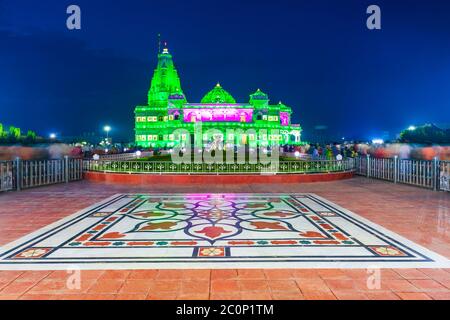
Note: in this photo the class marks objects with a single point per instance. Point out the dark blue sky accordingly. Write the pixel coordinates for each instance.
(316, 56)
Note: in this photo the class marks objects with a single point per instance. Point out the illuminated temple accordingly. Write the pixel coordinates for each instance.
(168, 110)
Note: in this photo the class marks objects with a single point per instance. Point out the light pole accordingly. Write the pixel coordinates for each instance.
(107, 129)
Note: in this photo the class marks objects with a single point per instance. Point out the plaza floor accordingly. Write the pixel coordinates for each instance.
(418, 215)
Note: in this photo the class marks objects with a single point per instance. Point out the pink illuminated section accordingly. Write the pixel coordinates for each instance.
(284, 118)
(218, 115)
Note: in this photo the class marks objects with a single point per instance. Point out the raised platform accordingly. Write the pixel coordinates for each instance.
(141, 179)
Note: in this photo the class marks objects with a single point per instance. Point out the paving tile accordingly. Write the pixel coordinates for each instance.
(142, 274)
(251, 295)
(171, 295)
(136, 287)
(17, 287)
(33, 276)
(9, 296)
(195, 287)
(413, 296)
(251, 274)
(285, 286)
(381, 295)
(349, 295)
(287, 296)
(193, 296)
(165, 286)
(400, 286)
(312, 285)
(253, 285)
(226, 296)
(196, 274)
(338, 284)
(224, 274)
(114, 275)
(439, 295)
(319, 295)
(332, 274)
(278, 274)
(224, 286)
(106, 287)
(304, 273)
(169, 274)
(436, 274)
(125, 296)
(428, 285)
(411, 274)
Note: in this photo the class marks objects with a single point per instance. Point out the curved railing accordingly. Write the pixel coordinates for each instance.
(283, 167)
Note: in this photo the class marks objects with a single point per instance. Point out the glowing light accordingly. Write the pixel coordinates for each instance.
(412, 128)
(107, 128)
(53, 136)
(377, 141)
(297, 154)
(138, 154)
(96, 157)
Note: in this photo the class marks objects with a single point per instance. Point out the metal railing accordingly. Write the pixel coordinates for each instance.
(6, 175)
(124, 156)
(283, 167)
(19, 174)
(431, 174)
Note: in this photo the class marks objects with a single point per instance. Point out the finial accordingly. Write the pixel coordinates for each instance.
(159, 43)
(218, 85)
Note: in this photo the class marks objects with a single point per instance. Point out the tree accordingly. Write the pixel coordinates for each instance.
(14, 132)
(426, 134)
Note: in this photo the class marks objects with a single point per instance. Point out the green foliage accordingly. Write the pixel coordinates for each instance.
(13, 136)
(426, 134)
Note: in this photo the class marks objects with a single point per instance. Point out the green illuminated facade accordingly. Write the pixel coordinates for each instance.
(157, 123)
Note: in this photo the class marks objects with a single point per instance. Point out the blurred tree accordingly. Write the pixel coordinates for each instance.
(426, 134)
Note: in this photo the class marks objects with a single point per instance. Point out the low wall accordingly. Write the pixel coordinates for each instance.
(140, 179)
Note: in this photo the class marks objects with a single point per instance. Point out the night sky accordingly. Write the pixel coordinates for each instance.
(316, 56)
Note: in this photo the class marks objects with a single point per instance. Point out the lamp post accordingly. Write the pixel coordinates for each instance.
(107, 129)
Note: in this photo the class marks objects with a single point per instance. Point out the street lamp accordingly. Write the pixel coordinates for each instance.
(107, 129)
(53, 136)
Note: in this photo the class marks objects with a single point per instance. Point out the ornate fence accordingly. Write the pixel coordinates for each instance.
(284, 167)
(124, 156)
(432, 174)
(19, 174)
(6, 175)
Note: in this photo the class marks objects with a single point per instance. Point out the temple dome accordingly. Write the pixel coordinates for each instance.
(218, 95)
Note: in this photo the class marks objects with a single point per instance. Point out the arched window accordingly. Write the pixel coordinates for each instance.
(177, 117)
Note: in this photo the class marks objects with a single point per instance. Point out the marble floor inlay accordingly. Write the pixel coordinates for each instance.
(215, 231)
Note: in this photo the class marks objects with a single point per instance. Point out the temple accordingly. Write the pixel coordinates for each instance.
(168, 110)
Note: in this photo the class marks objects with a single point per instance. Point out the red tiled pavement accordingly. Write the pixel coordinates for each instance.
(419, 215)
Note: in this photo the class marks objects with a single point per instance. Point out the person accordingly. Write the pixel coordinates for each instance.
(315, 153)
